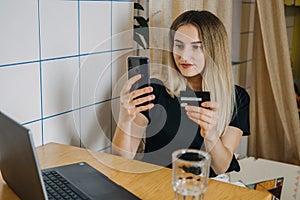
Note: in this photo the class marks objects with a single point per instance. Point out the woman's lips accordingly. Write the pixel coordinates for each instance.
(186, 65)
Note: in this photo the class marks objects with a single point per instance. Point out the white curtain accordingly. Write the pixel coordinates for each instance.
(275, 131)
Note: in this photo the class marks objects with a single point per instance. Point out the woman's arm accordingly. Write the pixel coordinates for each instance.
(222, 148)
(131, 125)
(128, 136)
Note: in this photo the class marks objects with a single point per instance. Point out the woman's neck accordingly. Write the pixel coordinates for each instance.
(195, 82)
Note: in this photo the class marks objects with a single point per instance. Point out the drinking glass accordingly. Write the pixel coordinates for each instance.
(190, 172)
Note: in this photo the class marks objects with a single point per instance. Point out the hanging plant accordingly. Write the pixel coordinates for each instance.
(141, 28)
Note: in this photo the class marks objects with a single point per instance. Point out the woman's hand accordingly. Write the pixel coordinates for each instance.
(132, 124)
(206, 117)
(130, 101)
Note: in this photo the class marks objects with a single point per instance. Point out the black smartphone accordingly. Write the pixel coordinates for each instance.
(139, 65)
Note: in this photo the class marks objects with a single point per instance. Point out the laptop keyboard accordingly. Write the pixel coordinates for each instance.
(58, 188)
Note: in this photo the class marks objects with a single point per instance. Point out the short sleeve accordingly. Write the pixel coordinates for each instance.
(240, 118)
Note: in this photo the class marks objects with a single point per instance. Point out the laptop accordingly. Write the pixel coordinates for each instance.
(20, 169)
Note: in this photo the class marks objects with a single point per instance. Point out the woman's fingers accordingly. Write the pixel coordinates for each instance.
(139, 92)
(128, 84)
(210, 104)
(136, 101)
(200, 111)
(206, 117)
(202, 117)
(141, 100)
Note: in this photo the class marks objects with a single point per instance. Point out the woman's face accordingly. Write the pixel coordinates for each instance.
(187, 51)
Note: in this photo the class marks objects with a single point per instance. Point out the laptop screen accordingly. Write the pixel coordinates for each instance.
(18, 160)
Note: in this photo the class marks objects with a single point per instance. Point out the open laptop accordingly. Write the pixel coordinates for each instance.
(20, 169)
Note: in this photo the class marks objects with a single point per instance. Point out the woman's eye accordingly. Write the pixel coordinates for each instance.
(196, 47)
(179, 46)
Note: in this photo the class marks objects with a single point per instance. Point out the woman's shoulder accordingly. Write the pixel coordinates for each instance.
(156, 81)
(157, 84)
(241, 94)
(160, 90)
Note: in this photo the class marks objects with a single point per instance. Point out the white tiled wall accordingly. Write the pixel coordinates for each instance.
(95, 26)
(19, 31)
(58, 78)
(59, 28)
(59, 61)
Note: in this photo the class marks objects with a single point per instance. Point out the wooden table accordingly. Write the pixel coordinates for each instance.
(145, 180)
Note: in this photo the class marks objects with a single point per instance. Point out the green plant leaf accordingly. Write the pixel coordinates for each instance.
(138, 39)
(141, 30)
(144, 32)
(138, 6)
(141, 20)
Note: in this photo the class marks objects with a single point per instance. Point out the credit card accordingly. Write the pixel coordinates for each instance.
(193, 98)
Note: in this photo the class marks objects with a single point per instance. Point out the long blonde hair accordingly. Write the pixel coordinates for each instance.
(217, 76)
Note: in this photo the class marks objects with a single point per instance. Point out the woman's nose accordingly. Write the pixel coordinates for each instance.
(185, 54)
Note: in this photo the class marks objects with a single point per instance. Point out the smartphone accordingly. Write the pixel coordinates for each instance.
(139, 65)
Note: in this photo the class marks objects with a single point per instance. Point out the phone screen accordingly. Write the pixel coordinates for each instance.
(139, 65)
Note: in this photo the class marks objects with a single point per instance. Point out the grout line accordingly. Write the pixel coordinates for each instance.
(31, 122)
(20, 63)
(69, 111)
(63, 57)
(247, 32)
(248, 2)
(101, 0)
(240, 62)
(41, 72)
(40, 61)
(79, 73)
(111, 60)
(290, 26)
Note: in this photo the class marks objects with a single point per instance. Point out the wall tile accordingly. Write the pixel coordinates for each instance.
(246, 47)
(290, 13)
(119, 70)
(20, 92)
(63, 129)
(252, 16)
(115, 109)
(59, 28)
(95, 78)
(60, 93)
(122, 25)
(248, 74)
(247, 21)
(242, 73)
(96, 126)
(95, 23)
(290, 32)
(36, 131)
(235, 73)
(19, 31)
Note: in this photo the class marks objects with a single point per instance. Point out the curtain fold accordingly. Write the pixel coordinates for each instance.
(275, 132)
(296, 47)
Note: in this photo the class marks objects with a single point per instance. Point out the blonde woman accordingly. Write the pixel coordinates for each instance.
(200, 54)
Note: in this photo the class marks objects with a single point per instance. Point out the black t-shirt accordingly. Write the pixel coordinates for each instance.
(170, 129)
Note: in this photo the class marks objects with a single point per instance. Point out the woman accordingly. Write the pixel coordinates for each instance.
(200, 53)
